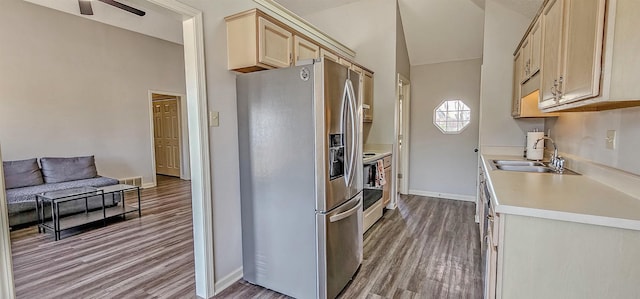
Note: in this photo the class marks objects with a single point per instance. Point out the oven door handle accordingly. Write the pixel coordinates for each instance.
(347, 213)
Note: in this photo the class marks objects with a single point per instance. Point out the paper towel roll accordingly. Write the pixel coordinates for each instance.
(538, 153)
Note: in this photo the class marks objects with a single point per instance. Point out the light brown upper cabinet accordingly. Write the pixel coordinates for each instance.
(304, 49)
(535, 38)
(525, 95)
(551, 52)
(328, 55)
(257, 43)
(367, 96)
(531, 48)
(526, 79)
(274, 44)
(573, 36)
(345, 62)
(517, 75)
(588, 55)
(582, 50)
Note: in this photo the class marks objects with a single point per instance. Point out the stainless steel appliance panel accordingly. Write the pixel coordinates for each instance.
(276, 136)
(341, 253)
(341, 136)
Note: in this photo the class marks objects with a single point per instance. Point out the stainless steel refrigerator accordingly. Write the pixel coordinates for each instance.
(301, 178)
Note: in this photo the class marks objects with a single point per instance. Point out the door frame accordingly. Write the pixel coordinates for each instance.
(7, 289)
(184, 128)
(202, 211)
(404, 84)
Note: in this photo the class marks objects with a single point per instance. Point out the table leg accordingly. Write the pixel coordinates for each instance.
(104, 212)
(38, 214)
(139, 206)
(124, 206)
(55, 217)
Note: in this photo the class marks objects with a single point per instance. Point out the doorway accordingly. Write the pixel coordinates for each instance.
(202, 212)
(402, 135)
(170, 144)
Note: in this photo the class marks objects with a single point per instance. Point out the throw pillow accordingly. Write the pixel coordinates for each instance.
(22, 173)
(56, 170)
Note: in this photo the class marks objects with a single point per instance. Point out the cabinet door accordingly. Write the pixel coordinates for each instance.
(551, 52)
(328, 55)
(584, 23)
(304, 49)
(367, 99)
(536, 47)
(274, 44)
(386, 189)
(517, 87)
(492, 256)
(525, 50)
(345, 62)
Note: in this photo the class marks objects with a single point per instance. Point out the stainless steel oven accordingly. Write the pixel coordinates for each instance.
(372, 197)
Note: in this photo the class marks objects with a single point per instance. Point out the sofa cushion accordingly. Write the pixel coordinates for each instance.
(22, 173)
(56, 170)
(23, 199)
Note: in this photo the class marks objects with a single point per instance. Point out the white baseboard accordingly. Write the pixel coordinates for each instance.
(461, 197)
(228, 280)
(148, 185)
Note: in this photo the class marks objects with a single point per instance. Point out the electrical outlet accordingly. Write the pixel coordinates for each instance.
(611, 139)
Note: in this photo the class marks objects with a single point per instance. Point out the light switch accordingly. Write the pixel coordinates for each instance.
(214, 118)
(611, 139)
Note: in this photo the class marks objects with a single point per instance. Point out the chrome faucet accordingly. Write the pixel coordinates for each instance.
(556, 161)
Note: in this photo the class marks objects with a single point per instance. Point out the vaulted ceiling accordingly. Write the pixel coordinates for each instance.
(158, 22)
(435, 30)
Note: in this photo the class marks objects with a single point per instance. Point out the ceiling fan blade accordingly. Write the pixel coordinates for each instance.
(85, 7)
(124, 7)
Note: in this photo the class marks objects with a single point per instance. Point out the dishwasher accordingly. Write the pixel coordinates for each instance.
(372, 202)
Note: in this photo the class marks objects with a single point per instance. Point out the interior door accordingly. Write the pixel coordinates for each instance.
(166, 132)
(402, 161)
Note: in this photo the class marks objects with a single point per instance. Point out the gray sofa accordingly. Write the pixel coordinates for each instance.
(24, 179)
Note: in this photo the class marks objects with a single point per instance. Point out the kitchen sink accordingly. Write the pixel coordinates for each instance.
(517, 163)
(541, 169)
(527, 166)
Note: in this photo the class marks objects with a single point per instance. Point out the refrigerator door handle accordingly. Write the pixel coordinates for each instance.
(347, 213)
(354, 134)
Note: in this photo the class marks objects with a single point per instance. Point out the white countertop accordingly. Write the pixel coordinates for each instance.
(574, 198)
(378, 155)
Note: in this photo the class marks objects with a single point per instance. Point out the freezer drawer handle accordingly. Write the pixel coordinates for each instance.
(347, 213)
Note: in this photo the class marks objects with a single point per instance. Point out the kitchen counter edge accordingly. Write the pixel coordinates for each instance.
(606, 218)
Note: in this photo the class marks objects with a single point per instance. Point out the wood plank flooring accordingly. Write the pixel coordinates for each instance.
(427, 248)
(148, 257)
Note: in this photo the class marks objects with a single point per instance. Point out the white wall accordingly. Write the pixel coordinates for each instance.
(221, 94)
(71, 86)
(403, 66)
(583, 134)
(443, 163)
(369, 28)
(503, 30)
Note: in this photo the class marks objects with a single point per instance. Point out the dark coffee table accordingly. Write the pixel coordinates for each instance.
(58, 223)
